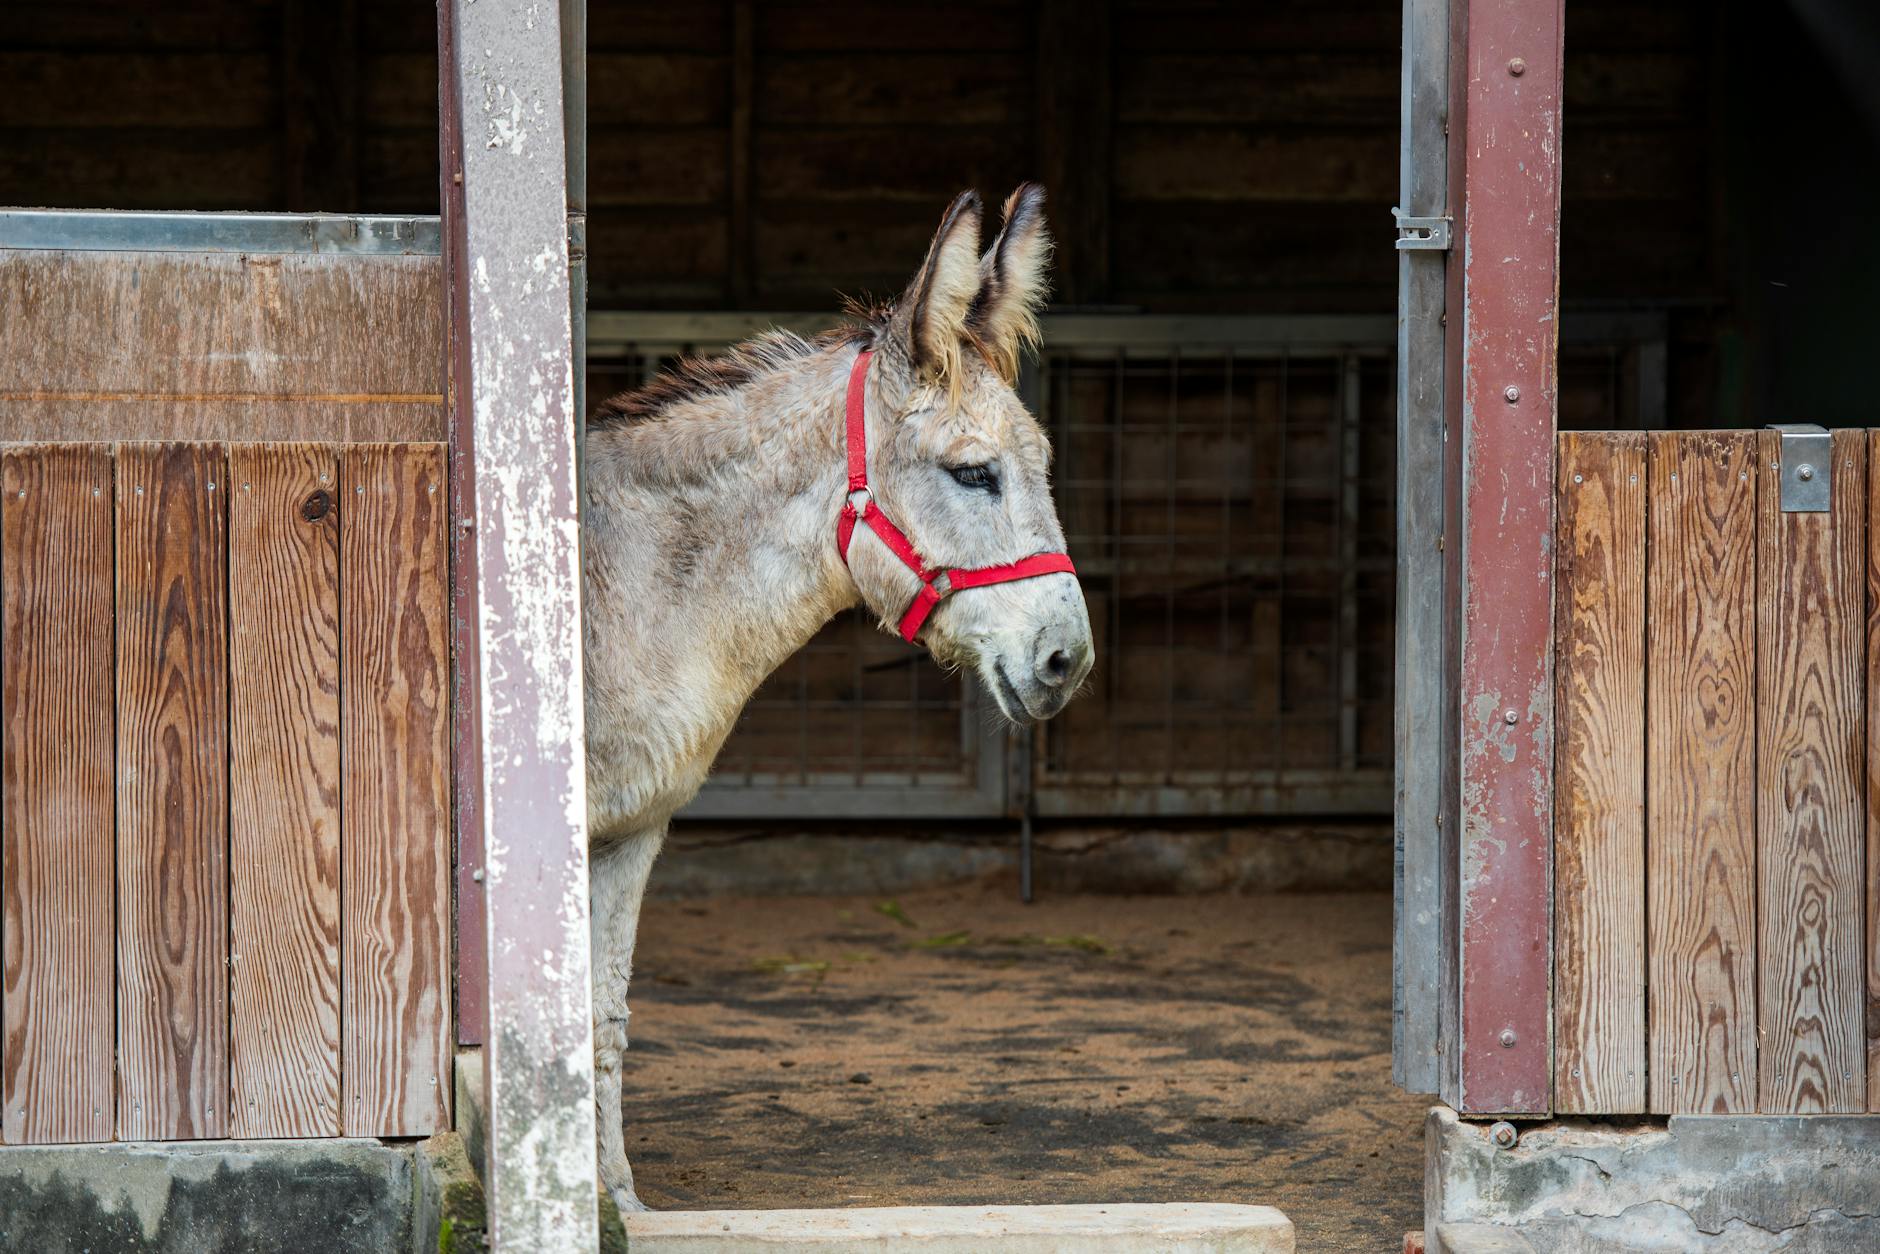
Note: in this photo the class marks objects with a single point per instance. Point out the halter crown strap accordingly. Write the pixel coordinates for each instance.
(869, 514)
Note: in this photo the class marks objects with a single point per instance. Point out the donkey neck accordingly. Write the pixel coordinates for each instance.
(716, 522)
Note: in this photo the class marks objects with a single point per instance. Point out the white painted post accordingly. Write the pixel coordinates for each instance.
(517, 411)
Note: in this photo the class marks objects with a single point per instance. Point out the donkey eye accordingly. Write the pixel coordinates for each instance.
(981, 478)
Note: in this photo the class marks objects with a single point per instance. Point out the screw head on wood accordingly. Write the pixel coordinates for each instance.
(1517, 67)
(1507, 1038)
(1510, 717)
(1511, 394)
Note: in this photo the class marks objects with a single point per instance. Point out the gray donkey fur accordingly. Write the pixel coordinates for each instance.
(710, 551)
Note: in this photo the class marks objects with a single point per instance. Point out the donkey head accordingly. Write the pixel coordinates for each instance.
(961, 465)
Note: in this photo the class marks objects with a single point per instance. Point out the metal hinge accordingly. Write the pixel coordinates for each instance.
(1418, 234)
(1807, 467)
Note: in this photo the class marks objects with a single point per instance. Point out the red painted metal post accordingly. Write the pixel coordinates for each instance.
(473, 975)
(1505, 135)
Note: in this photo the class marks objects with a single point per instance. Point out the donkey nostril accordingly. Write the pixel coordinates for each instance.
(1058, 666)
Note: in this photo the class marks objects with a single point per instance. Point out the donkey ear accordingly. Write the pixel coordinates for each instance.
(934, 308)
(1012, 282)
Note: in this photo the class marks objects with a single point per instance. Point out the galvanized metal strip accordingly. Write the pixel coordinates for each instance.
(1510, 216)
(1804, 467)
(111, 230)
(538, 1052)
(1417, 954)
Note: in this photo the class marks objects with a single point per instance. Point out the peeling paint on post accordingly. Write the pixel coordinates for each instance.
(512, 243)
(1507, 139)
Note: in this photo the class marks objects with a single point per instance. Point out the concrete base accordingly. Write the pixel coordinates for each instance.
(1174, 1228)
(1741, 1184)
(332, 1196)
(702, 860)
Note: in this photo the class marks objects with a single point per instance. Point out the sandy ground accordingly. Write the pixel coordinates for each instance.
(959, 1048)
(955, 1046)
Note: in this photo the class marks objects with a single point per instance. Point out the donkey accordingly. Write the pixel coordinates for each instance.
(731, 513)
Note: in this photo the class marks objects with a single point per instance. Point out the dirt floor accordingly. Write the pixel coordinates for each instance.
(955, 1046)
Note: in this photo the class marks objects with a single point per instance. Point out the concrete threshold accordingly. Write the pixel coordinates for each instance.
(1165, 1228)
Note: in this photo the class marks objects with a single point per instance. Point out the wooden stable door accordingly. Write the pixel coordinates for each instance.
(1714, 776)
(223, 791)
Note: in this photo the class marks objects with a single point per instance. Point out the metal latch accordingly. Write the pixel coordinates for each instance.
(1807, 467)
(1418, 234)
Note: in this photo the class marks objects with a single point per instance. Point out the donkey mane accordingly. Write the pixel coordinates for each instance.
(696, 377)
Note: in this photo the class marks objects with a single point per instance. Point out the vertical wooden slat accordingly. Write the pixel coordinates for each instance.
(1599, 776)
(1873, 773)
(395, 675)
(56, 768)
(1700, 768)
(172, 727)
(284, 787)
(1811, 990)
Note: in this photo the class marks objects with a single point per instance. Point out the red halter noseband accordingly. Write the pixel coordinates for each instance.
(948, 581)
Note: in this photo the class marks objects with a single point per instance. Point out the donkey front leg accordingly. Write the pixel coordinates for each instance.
(619, 872)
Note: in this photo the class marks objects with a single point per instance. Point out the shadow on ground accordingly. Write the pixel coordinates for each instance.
(957, 1047)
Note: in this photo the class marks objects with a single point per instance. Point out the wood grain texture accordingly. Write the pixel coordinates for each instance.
(56, 810)
(196, 346)
(1599, 775)
(1873, 774)
(1700, 764)
(172, 853)
(396, 862)
(284, 791)
(1810, 843)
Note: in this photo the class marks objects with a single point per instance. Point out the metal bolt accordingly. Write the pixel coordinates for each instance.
(1576, 479)
(1510, 717)
(1674, 1081)
(1511, 394)
(1804, 472)
(1504, 1135)
(1674, 476)
(1517, 67)
(212, 486)
(1576, 1073)
(1507, 1038)
(477, 875)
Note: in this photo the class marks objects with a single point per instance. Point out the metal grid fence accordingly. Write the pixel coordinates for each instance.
(1226, 487)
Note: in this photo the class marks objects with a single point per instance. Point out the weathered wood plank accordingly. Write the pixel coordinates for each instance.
(1811, 988)
(1873, 774)
(395, 714)
(1700, 764)
(56, 811)
(1599, 776)
(172, 852)
(284, 788)
(220, 346)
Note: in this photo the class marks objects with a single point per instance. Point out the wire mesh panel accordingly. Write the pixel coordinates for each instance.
(1226, 485)
(1229, 506)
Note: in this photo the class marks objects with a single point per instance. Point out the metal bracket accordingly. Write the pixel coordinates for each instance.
(1421, 234)
(1807, 467)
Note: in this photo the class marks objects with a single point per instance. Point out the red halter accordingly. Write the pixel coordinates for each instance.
(935, 585)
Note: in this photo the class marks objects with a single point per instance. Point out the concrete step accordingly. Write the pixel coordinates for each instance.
(1164, 1228)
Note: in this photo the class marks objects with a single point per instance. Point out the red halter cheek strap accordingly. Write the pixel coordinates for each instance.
(935, 585)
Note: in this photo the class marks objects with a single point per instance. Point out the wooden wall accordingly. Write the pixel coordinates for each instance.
(1717, 779)
(1203, 155)
(223, 791)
